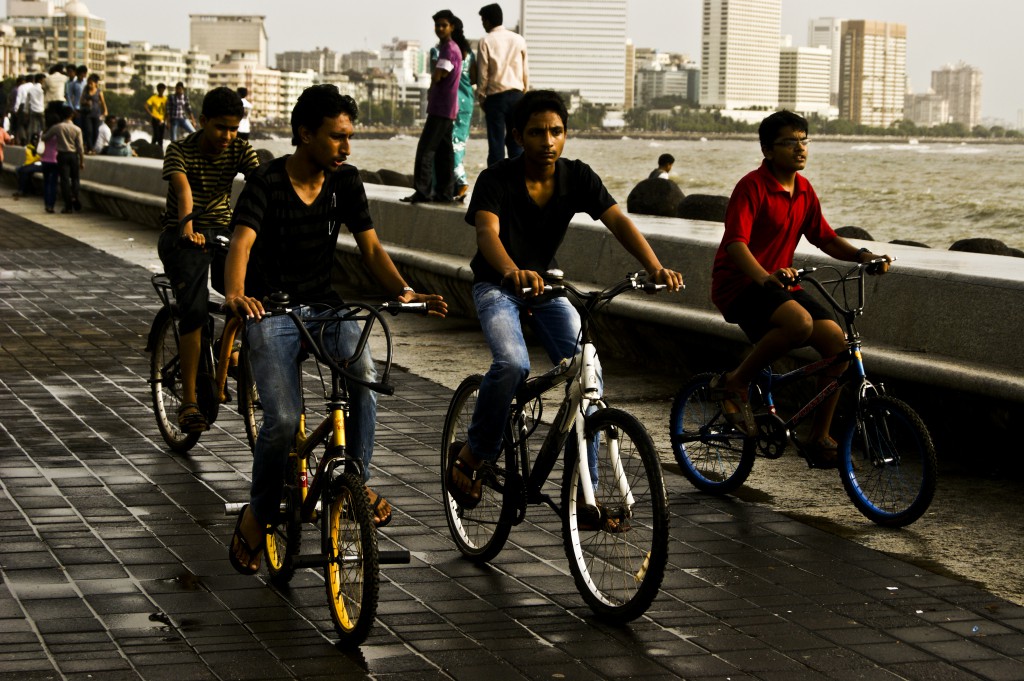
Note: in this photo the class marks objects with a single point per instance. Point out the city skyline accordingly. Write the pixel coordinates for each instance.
(984, 38)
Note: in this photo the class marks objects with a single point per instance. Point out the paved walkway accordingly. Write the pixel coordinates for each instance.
(113, 550)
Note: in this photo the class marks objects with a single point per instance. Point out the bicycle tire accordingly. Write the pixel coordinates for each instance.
(165, 385)
(618, 567)
(284, 541)
(887, 462)
(479, 533)
(352, 568)
(713, 455)
(249, 405)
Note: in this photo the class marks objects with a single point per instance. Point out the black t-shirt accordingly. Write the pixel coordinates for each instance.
(294, 247)
(530, 234)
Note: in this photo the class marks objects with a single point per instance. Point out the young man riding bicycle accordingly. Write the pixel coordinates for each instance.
(521, 209)
(286, 226)
(770, 209)
(200, 170)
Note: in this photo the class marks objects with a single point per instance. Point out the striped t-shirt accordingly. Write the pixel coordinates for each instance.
(294, 247)
(209, 177)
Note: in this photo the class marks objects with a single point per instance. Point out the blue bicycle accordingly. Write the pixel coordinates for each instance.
(886, 457)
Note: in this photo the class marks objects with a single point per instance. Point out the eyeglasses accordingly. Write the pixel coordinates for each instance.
(793, 142)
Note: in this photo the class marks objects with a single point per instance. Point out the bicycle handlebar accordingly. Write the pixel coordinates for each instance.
(636, 281)
(856, 273)
(278, 304)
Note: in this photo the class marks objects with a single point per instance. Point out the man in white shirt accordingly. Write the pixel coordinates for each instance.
(502, 78)
(34, 106)
(103, 134)
(244, 125)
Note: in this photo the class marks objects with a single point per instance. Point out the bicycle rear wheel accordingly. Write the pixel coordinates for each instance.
(352, 570)
(249, 405)
(165, 384)
(887, 462)
(480, 533)
(710, 451)
(285, 539)
(617, 555)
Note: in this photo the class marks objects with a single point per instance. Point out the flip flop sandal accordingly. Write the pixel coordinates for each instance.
(252, 554)
(191, 419)
(741, 415)
(377, 521)
(467, 500)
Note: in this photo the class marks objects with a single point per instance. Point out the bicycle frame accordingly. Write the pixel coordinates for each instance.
(854, 374)
(583, 391)
(218, 364)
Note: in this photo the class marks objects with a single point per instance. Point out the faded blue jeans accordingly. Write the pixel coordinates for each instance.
(275, 354)
(555, 322)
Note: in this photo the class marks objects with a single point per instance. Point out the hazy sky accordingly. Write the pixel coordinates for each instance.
(983, 33)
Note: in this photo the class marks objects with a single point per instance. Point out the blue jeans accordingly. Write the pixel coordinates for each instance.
(498, 113)
(180, 124)
(556, 323)
(275, 354)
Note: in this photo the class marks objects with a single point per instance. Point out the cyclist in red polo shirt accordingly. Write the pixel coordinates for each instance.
(770, 209)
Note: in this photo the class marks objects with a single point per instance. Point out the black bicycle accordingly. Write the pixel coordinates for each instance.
(887, 460)
(613, 507)
(324, 479)
(222, 356)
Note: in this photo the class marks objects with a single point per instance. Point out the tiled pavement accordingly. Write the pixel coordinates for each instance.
(113, 558)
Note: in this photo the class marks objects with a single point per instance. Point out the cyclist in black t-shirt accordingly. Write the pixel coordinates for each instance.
(286, 225)
(521, 209)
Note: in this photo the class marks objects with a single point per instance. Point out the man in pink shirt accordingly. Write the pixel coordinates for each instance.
(502, 78)
(770, 209)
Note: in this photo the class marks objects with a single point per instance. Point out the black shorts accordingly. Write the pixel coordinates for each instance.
(754, 306)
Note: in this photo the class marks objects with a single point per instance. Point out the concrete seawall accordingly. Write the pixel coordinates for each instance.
(940, 319)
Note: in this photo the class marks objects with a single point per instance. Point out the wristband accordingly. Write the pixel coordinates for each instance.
(861, 252)
(406, 289)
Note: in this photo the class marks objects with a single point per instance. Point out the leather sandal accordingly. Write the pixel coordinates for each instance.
(467, 500)
(191, 419)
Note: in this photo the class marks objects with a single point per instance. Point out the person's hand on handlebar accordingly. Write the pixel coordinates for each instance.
(864, 255)
(435, 302)
(245, 307)
(784, 277)
(669, 278)
(520, 280)
(191, 237)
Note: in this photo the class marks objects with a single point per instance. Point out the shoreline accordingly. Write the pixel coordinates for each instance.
(280, 132)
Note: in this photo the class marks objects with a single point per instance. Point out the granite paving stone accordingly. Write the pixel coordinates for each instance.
(114, 549)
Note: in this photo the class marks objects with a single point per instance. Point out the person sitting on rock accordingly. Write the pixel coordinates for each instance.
(664, 169)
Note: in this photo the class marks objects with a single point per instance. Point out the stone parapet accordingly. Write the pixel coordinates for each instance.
(940, 318)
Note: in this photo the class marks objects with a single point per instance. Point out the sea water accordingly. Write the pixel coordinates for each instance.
(930, 192)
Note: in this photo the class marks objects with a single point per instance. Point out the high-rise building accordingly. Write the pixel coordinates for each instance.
(873, 79)
(218, 35)
(320, 60)
(828, 32)
(740, 54)
(66, 34)
(577, 45)
(629, 95)
(804, 79)
(961, 86)
(154, 64)
(926, 110)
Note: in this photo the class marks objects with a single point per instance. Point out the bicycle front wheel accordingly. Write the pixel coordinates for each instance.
(481, 532)
(165, 384)
(249, 405)
(618, 551)
(352, 570)
(710, 451)
(887, 462)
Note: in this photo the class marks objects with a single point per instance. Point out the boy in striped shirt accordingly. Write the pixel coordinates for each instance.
(200, 170)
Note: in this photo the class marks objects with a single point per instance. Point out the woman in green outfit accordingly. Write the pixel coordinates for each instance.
(460, 132)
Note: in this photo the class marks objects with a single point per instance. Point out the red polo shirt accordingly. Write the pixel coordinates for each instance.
(770, 221)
